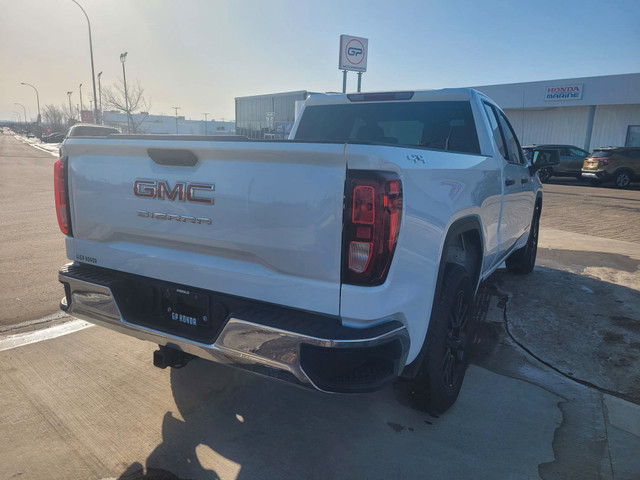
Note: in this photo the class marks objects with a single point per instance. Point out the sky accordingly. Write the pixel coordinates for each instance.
(201, 54)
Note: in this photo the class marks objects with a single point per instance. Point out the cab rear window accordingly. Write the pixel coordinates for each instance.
(445, 126)
(601, 154)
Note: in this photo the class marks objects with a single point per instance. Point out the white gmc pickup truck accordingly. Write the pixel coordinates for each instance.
(341, 259)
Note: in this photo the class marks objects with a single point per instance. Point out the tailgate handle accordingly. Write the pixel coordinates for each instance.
(173, 157)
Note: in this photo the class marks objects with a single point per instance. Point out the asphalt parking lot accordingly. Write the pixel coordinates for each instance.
(553, 392)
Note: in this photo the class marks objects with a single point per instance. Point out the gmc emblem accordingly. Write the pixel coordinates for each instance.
(181, 191)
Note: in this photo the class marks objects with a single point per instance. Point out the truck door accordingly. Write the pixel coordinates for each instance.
(518, 200)
(519, 195)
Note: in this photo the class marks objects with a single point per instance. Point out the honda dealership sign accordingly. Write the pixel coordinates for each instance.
(560, 93)
(353, 53)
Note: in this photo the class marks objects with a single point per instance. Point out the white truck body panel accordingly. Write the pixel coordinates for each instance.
(446, 187)
(276, 219)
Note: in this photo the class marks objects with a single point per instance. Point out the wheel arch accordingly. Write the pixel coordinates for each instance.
(468, 231)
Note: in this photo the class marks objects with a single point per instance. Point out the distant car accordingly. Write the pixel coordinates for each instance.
(55, 137)
(30, 135)
(571, 159)
(91, 130)
(621, 165)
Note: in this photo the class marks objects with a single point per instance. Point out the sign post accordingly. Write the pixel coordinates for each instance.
(353, 57)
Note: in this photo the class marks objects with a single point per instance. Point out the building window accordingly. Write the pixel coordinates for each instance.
(633, 136)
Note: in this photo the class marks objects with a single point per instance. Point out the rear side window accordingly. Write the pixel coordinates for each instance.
(513, 146)
(635, 153)
(445, 126)
(576, 152)
(601, 154)
(89, 131)
(495, 129)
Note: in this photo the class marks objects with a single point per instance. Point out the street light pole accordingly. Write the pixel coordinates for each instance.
(81, 105)
(19, 117)
(38, 102)
(100, 91)
(123, 58)
(71, 116)
(25, 110)
(205, 122)
(93, 75)
(176, 109)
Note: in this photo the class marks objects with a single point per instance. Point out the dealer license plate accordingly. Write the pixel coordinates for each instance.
(185, 307)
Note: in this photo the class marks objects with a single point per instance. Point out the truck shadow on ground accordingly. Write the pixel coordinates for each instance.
(232, 424)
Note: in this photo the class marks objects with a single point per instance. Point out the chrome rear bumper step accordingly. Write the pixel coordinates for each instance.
(298, 347)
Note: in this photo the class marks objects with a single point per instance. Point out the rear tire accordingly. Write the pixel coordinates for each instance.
(524, 259)
(622, 178)
(438, 383)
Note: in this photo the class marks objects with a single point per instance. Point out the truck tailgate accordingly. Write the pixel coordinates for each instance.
(275, 230)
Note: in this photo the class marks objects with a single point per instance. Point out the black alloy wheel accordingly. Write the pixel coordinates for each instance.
(438, 382)
(524, 259)
(622, 179)
(455, 355)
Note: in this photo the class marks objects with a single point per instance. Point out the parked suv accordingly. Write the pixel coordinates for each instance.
(618, 164)
(571, 159)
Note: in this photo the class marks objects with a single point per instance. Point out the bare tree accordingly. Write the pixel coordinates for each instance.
(69, 115)
(55, 117)
(113, 97)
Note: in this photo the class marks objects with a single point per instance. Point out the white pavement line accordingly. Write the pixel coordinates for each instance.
(28, 323)
(13, 341)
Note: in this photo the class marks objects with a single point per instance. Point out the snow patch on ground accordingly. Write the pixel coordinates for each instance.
(52, 148)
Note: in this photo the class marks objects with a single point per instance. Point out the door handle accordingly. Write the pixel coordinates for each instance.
(524, 180)
(509, 181)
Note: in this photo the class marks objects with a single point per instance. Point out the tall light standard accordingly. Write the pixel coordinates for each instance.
(123, 58)
(93, 74)
(176, 109)
(38, 101)
(205, 122)
(24, 109)
(100, 91)
(71, 116)
(24, 124)
(81, 105)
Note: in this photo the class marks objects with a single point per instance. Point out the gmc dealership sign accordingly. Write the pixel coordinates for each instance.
(564, 92)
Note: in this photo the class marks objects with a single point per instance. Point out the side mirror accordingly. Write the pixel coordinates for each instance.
(543, 158)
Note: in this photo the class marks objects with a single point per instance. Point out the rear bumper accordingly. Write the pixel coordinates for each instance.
(599, 175)
(299, 348)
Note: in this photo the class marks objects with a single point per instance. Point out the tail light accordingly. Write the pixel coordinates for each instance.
(373, 210)
(62, 195)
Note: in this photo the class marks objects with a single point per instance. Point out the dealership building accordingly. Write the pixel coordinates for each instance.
(588, 112)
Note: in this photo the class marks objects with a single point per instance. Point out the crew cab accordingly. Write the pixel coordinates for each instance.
(341, 259)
